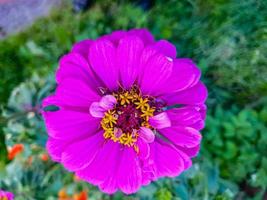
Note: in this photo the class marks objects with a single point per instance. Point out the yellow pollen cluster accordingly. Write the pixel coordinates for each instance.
(3, 198)
(109, 121)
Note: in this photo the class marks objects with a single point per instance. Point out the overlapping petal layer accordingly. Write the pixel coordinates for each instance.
(90, 79)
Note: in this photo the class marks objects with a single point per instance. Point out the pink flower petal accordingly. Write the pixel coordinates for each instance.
(144, 34)
(129, 175)
(185, 74)
(186, 159)
(144, 149)
(191, 152)
(96, 110)
(186, 116)
(182, 136)
(55, 147)
(102, 56)
(191, 96)
(6, 195)
(74, 92)
(74, 65)
(115, 36)
(160, 121)
(126, 177)
(128, 57)
(109, 185)
(156, 71)
(103, 167)
(199, 125)
(108, 102)
(66, 124)
(79, 155)
(82, 47)
(146, 134)
(166, 48)
(167, 160)
(203, 110)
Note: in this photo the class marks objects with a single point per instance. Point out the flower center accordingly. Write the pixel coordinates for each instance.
(131, 112)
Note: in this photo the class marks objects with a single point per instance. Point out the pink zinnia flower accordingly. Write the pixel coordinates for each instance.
(129, 111)
(4, 195)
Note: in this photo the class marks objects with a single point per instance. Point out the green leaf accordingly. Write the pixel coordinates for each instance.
(231, 150)
(51, 108)
(163, 194)
(181, 191)
(213, 177)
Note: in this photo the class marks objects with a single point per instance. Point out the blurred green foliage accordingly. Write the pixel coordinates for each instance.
(237, 140)
(227, 39)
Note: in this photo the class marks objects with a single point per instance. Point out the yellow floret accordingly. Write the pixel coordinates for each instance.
(125, 98)
(141, 103)
(109, 118)
(147, 112)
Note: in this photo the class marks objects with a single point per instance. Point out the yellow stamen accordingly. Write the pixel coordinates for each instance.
(110, 118)
(125, 98)
(142, 103)
(108, 133)
(147, 112)
(128, 139)
(145, 124)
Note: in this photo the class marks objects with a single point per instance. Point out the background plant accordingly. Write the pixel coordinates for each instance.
(227, 39)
